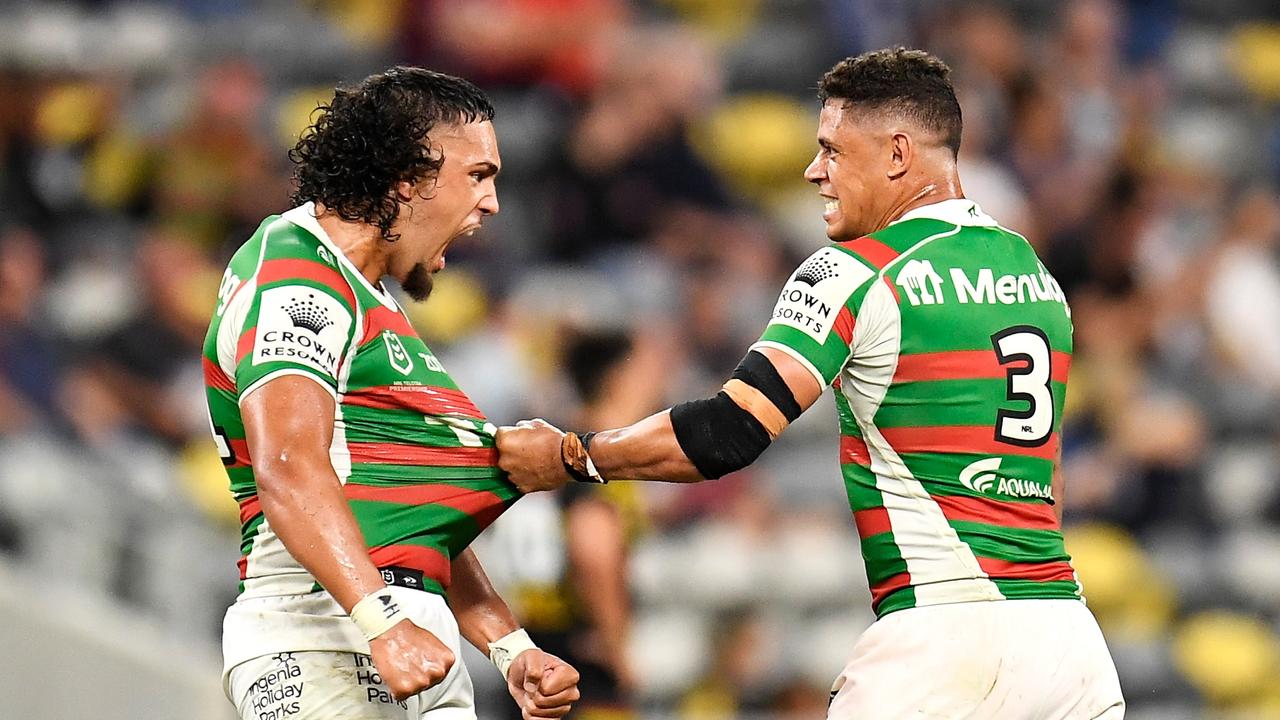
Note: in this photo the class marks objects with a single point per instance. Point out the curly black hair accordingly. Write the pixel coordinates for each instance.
(373, 135)
(911, 82)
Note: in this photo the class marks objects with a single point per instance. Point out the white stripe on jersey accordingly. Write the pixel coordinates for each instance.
(932, 550)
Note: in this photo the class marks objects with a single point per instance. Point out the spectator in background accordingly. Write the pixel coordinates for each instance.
(562, 44)
(584, 614)
(148, 366)
(215, 178)
(30, 367)
(1242, 299)
(627, 168)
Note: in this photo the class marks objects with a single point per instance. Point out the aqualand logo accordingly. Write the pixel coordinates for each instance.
(980, 476)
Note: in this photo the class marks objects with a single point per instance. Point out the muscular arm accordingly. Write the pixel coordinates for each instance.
(543, 685)
(482, 615)
(289, 427)
(648, 449)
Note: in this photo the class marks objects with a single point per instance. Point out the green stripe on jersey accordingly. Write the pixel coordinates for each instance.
(949, 402)
(397, 401)
(881, 553)
(1013, 544)
(1025, 589)
(897, 600)
(975, 331)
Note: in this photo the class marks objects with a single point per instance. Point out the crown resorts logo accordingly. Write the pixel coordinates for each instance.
(816, 269)
(305, 313)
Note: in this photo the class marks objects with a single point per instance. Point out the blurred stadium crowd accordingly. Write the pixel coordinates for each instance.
(652, 204)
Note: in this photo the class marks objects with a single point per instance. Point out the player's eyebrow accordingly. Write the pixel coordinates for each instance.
(825, 144)
(486, 168)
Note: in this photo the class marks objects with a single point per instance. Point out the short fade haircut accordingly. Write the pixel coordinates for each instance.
(373, 135)
(912, 83)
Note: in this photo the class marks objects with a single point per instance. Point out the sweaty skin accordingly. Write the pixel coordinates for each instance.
(289, 429)
(871, 168)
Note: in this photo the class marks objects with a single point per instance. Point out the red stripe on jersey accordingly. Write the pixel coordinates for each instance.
(963, 439)
(1028, 515)
(1040, 572)
(966, 365)
(872, 250)
(425, 399)
(244, 345)
(250, 508)
(430, 561)
(482, 505)
(285, 269)
(394, 454)
(381, 318)
(880, 590)
(872, 521)
(893, 289)
(844, 325)
(240, 448)
(243, 564)
(1060, 366)
(854, 450)
(214, 377)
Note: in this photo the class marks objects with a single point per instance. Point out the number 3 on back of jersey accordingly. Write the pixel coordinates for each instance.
(1024, 349)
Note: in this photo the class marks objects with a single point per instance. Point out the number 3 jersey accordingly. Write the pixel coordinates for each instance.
(415, 457)
(947, 344)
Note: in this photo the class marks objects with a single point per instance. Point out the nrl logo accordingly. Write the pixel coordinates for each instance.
(396, 354)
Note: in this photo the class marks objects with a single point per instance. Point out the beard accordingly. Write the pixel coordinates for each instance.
(418, 282)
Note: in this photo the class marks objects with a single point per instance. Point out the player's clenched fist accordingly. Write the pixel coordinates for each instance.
(530, 454)
(543, 685)
(410, 659)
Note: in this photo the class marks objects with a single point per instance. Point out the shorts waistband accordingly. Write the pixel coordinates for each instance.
(403, 577)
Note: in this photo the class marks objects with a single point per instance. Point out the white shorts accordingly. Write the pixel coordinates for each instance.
(1003, 660)
(318, 678)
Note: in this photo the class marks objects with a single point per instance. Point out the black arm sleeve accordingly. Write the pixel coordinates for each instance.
(756, 371)
(717, 436)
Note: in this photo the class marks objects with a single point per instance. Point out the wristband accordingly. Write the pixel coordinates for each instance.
(376, 613)
(505, 649)
(577, 462)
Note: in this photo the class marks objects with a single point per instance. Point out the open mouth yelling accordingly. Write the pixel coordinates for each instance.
(468, 232)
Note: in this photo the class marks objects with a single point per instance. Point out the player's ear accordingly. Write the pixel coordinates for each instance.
(901, 153)
(403, 191)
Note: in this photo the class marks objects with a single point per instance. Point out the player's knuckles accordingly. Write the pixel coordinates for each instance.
(553, 712)
(406, 686)
(559, 699)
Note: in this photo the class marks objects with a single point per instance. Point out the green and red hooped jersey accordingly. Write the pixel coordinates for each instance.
(947, 344)
(415, 456)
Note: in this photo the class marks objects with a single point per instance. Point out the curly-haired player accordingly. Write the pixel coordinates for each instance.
(947, 345)
(362, 471)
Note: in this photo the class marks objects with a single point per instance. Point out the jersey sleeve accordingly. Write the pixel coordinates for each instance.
(301, 320)
(814, 318)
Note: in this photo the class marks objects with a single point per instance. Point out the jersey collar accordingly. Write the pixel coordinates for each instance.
(304, 216)
(957, 211)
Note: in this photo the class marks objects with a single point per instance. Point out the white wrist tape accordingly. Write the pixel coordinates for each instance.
(504, 650)
(376, 613)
